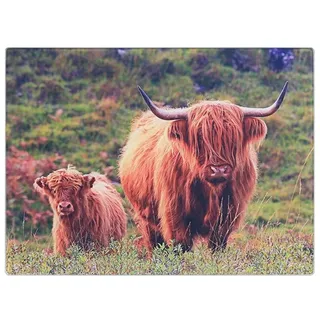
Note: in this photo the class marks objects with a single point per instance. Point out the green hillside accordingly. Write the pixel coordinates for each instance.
(76, 106)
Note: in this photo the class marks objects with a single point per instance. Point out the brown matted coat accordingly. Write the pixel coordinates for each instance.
(87, 209)
(163, 168)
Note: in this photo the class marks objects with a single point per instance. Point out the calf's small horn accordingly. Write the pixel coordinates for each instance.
(264, 112)
(162, 113)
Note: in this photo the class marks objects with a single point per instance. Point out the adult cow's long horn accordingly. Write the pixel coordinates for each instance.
(264, 112)
(165, 114)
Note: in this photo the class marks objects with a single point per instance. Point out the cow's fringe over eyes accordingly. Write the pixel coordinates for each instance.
(216, 133)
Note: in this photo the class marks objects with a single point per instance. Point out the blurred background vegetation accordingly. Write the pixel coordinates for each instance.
(76, 106)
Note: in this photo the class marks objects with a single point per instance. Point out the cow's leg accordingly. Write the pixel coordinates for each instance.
(148, 226)
(175, 227)
(176, 231)
(61, 243)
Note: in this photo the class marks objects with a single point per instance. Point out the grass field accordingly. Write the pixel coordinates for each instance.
(251, 250)
(266, 252)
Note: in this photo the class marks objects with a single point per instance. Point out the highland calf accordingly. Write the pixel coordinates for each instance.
(87, 209)
(191, 172)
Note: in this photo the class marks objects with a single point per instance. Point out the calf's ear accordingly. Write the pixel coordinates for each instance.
(254, 129)
(88, 181)
(178, 130)
(40, 185)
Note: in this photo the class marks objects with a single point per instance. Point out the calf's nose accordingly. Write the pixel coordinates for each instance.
(65, 205)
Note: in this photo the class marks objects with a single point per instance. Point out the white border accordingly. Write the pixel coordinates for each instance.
(162, 24)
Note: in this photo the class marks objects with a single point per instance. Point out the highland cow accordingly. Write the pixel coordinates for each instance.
(87, 209)
(191, 172)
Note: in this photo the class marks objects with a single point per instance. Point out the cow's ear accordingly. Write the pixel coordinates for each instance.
(254, 129)
(88, 181)
(41, 186)
(179, 130)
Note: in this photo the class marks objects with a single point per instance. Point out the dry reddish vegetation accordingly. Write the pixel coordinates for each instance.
(22, 170)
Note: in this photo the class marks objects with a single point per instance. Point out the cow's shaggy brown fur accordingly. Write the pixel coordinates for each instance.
(162, 170)
(97, 215)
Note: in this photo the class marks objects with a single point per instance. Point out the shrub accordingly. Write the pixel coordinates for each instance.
(272, 79)
(29, 92)
(79, 64)
(241, 59)
(135, 58)
(24, 74)
(157, 70)
(199, 61)
(11, 89)
(106, 68)
(52, 91)
(106, 89)
(213, 77)
(107, 107)
(71, 64)
(280, 59)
